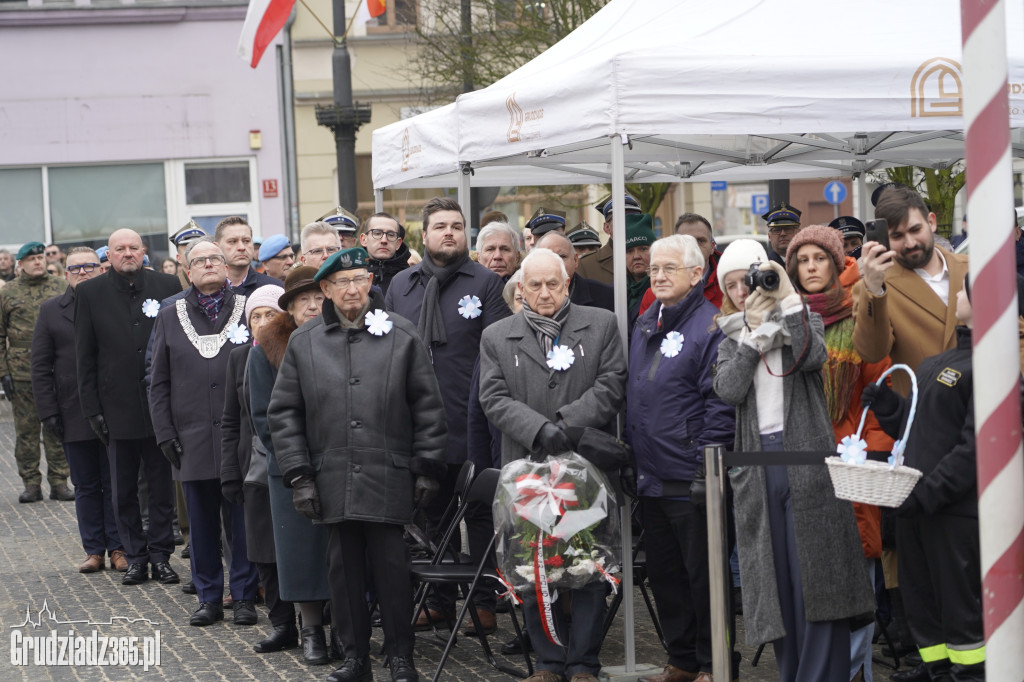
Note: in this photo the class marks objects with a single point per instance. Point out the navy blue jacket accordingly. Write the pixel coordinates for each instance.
(454, 361)
(672, 411)
(583, 291)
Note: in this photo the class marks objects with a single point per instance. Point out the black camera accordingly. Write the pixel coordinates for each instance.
(756, 278)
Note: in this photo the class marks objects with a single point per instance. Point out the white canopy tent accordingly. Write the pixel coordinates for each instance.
(686, 90)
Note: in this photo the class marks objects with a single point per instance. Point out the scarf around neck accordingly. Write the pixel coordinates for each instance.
(636, 290)
(547, 329)
(842, 369)
(431, 326)
(212, 303)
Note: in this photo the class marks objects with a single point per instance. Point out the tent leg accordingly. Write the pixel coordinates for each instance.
(464, 198)
(862, 196)
(718, 562)
(378, 199)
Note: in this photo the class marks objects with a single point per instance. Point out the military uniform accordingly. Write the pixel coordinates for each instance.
(19, 308)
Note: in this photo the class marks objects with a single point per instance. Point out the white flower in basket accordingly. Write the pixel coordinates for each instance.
(858, 479)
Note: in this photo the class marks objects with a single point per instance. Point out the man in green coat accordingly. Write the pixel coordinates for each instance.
(19, 307)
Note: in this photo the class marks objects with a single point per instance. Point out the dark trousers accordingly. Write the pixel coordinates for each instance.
(349, 545)
(676, 542)
(940, 578)
(157, 543)
(90, 474)
(811, 651)
(204, 501)
(582, 638)
(480, 529)
(443, 598)
(279, 611)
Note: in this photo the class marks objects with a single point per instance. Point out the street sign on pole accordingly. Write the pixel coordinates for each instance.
(719, 185)
(835, 192)
(759, 204)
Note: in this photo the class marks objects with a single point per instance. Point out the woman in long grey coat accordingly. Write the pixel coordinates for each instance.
(301, 546)
(804, 573)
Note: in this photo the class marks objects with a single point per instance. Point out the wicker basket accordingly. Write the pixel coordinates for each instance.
(878, 483)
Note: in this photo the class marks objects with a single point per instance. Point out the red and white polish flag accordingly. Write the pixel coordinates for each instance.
(263, 21)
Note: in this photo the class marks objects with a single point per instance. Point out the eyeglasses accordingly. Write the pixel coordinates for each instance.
(200, 261)
(389, 235)
(326, 251)
(84, 267)
(783, 228)
(668, 270)
(345, 282)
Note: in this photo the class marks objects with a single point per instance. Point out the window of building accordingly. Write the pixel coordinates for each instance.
(400, 15)
(90, 202)
(217, 183)
(21, 195)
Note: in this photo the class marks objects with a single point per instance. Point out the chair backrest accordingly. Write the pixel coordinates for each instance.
(482, 490)
(485, 485)
(464, 480)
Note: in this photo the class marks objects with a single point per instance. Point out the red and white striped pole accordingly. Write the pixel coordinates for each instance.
(996, 354)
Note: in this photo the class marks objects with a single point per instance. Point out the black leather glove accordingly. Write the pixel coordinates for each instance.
(232, 492)
(99, 427)
(7, 383)
(424, 491)
(910, 507)
(880, 399)
(627, 477)
(699, 488)
(553, 440)
(55, 426)
(172, 452)
(306, 498)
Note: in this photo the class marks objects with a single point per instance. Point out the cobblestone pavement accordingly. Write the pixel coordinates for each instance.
(39, 553)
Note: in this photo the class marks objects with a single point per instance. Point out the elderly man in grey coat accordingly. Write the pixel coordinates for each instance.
(533, 399)
(192, 340)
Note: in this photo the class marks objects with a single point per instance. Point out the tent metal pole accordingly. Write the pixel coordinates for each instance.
(720, 579)
(378, 199)
(464, 198)
(621, 313)
(862, 196)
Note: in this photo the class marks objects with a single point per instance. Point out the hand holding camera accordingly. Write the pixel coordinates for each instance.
(770, 279)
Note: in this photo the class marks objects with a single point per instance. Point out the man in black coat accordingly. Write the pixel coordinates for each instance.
(55, 388)
(452, 300)
(114, 316)
(384, 239)
(582, 291)
(192, 340)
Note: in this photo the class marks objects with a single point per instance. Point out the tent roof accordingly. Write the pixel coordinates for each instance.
(738, 90)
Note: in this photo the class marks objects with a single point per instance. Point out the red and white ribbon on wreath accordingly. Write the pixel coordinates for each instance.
(510, 591)
(540, 575)
(538, 496)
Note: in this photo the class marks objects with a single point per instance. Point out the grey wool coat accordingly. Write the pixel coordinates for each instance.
(832, 563)
(520, 393)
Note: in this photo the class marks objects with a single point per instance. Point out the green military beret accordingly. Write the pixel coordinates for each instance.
(346, 259)
(31, 249)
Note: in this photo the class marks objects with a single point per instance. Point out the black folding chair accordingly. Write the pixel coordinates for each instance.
(468, 577)
(428, 545)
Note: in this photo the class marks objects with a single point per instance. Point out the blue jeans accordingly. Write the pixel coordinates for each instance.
(90, 474)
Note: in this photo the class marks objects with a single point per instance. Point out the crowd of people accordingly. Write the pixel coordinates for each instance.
(294, 412)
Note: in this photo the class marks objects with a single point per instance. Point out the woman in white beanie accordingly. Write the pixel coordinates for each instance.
(804, 574)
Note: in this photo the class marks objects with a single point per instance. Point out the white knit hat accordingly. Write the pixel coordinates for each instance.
(264, 297)
(740, 255)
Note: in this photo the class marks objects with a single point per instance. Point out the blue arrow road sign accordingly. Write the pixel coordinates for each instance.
(835, 192)
(719, 185)
(759, 204)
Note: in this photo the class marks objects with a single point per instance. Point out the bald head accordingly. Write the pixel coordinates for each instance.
(125, 251)
(563, 248)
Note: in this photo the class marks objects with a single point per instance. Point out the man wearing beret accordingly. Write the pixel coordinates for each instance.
(360, 440)
(19, 309)
(598, 265)
(277, 256)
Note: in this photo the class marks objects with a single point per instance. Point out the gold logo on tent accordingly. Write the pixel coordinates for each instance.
(515, 118)
(405, 150)
(937, 89)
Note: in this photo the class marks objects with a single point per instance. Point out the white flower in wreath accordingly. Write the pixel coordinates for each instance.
(560, 358)
(150, 307)
(583, 567)
(470, 306)
(377, 323)
(853, 450)
(672, 344)
(525, 572)
(237, 334)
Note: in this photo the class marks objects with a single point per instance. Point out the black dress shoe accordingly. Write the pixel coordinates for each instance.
(189, 588)
(245, 612)
(135, 575)
(187, 552)
(918, 674)
(283, 637)
(515, 646)
(208, 613)
(314, 645)
(163, 572)
(179, 540)
(353, 670)
(402, 669)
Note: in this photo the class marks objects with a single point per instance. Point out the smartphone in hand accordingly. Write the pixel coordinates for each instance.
(877, 231)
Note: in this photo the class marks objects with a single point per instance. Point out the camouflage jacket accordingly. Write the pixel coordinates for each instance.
(19, 308)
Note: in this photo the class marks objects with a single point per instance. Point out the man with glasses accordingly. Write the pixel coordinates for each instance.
(55, 388)
(384, 240)
(114, 316)
(180, 240)
(783, 224)
(19, 308)
(191, 343)
(318, 242)
(277, 256)
(54, 254)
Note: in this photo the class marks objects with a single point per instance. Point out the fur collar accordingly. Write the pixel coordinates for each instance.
(274, 337)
